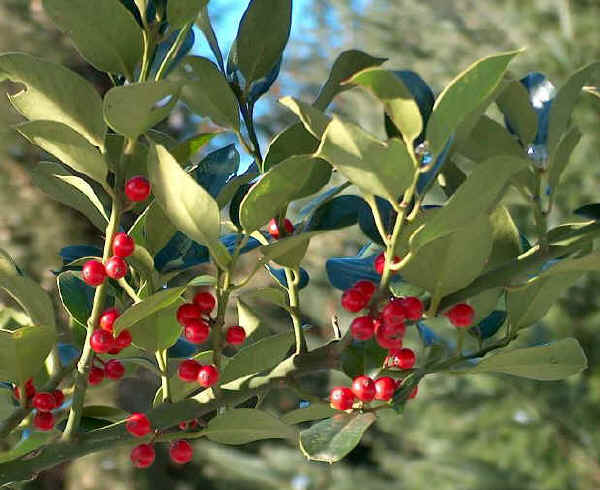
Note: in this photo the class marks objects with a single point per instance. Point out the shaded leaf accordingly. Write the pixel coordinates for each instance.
(518, 112)
(294, 140)
(316, 411)
(244, 425)
(182, 12)
(23, 351)
(157, 331)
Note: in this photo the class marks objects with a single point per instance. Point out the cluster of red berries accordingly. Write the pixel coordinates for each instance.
(103, 340)
(191, 371)
(43, 402)
(94, 272)
(274, 231)
(143, 455)
(365, 390)
(111, 369)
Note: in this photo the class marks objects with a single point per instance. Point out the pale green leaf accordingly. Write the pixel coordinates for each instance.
(23, 352)
(33, 299)
(313, 119)
(244, 425)
(182, 12)
(514, 103)
(158, 331)
(561, 156)
(315, 411)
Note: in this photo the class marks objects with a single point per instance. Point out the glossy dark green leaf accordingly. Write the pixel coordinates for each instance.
(590, 211)
(363, 357)
(344, 272)
(332, 439)
(339, 212)
(217, 169)
(76, 296)
(488, 327)
(366, 221)
(243, 425)
(279, 275)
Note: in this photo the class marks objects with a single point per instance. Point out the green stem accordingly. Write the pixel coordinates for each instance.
(129, 290)
(161, 359)
(371, 201)
(148, 43)
(173, 51)
(292, 278)
(540, 218)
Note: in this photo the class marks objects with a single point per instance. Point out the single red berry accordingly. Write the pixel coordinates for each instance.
(114, 369)
(363, 388)
(235, 335)
(393, 314)
(189, 425)
(188, 370)
(116, 268)
(138, 425)
(196, 331)
(353, 300)
(43, 421)
(274, 228)
(59, 397)
(102, 341)
(461, 315)
(205, 301)
(143, 456)
(181, 452)
(123, 245)
(366, 288)
(403, 358)
(389, 336)
(93, 273)
(137, 188)
(123, 340)
(107, 319)
(413, 307)
(44, 402)
(208, 376)
(362, 328)
(414, 392)
(341, 398)
(95, 376)
(392, 360)
(379, 263)
(385, 388)
(187, 312)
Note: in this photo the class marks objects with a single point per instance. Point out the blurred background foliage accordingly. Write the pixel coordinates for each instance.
(485, 432)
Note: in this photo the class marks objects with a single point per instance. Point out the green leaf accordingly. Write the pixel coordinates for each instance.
(150, 305)
(345, 66)
(103, 31)
(184, 151)
(70, 190)
(258, 357)
(313, 119)
(332, 439)
(33, 299)
(182, 12)
(201, 281)
(295, 140)
(288, 251)
(262, 35)
(189, 207)
(66, 145)
(243, 425)
(316, 411)
(8, 267)
(158, 331)
(23, 352)
(54, 93)
(463, 95)
(298, 176)
(205, 26)
(251, 322)
(35, 441)
(76, 296)
(478, 195)
(398, 102)
(550, 362)
(561, 156)
(381, 169)
(103, 412)
(207, 92)
(152, 229)
(489, 139)
(133, 109)
(564, 103)
(514, 103)
(277, 296)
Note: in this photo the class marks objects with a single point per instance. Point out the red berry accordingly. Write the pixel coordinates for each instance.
(341, 398)
(102, 341)
(181, 452)
(95, 376)
(43, 421)
(138, 425)
(402, 358)
(385, 388)
(353, 300)
(190, 424)
(116, 268)
(29, 390)
(114, 369)
(44, 402)
(107, 319)
(93, 273)
(208, 376)
(137, 188)
(274, 228)
(142, 456)
(187, 312)
(59, 397)
(393, 314)
(196, 331)
(461, 315)
(205, 301)
(123, 340)
(413, 393)
(362, 328)
(188, 370)
(363, 388)
(114, 351)
(123, 245)
(366, 288)
(389, 336)
(235, 335)
(413, 307)
(379, 263)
